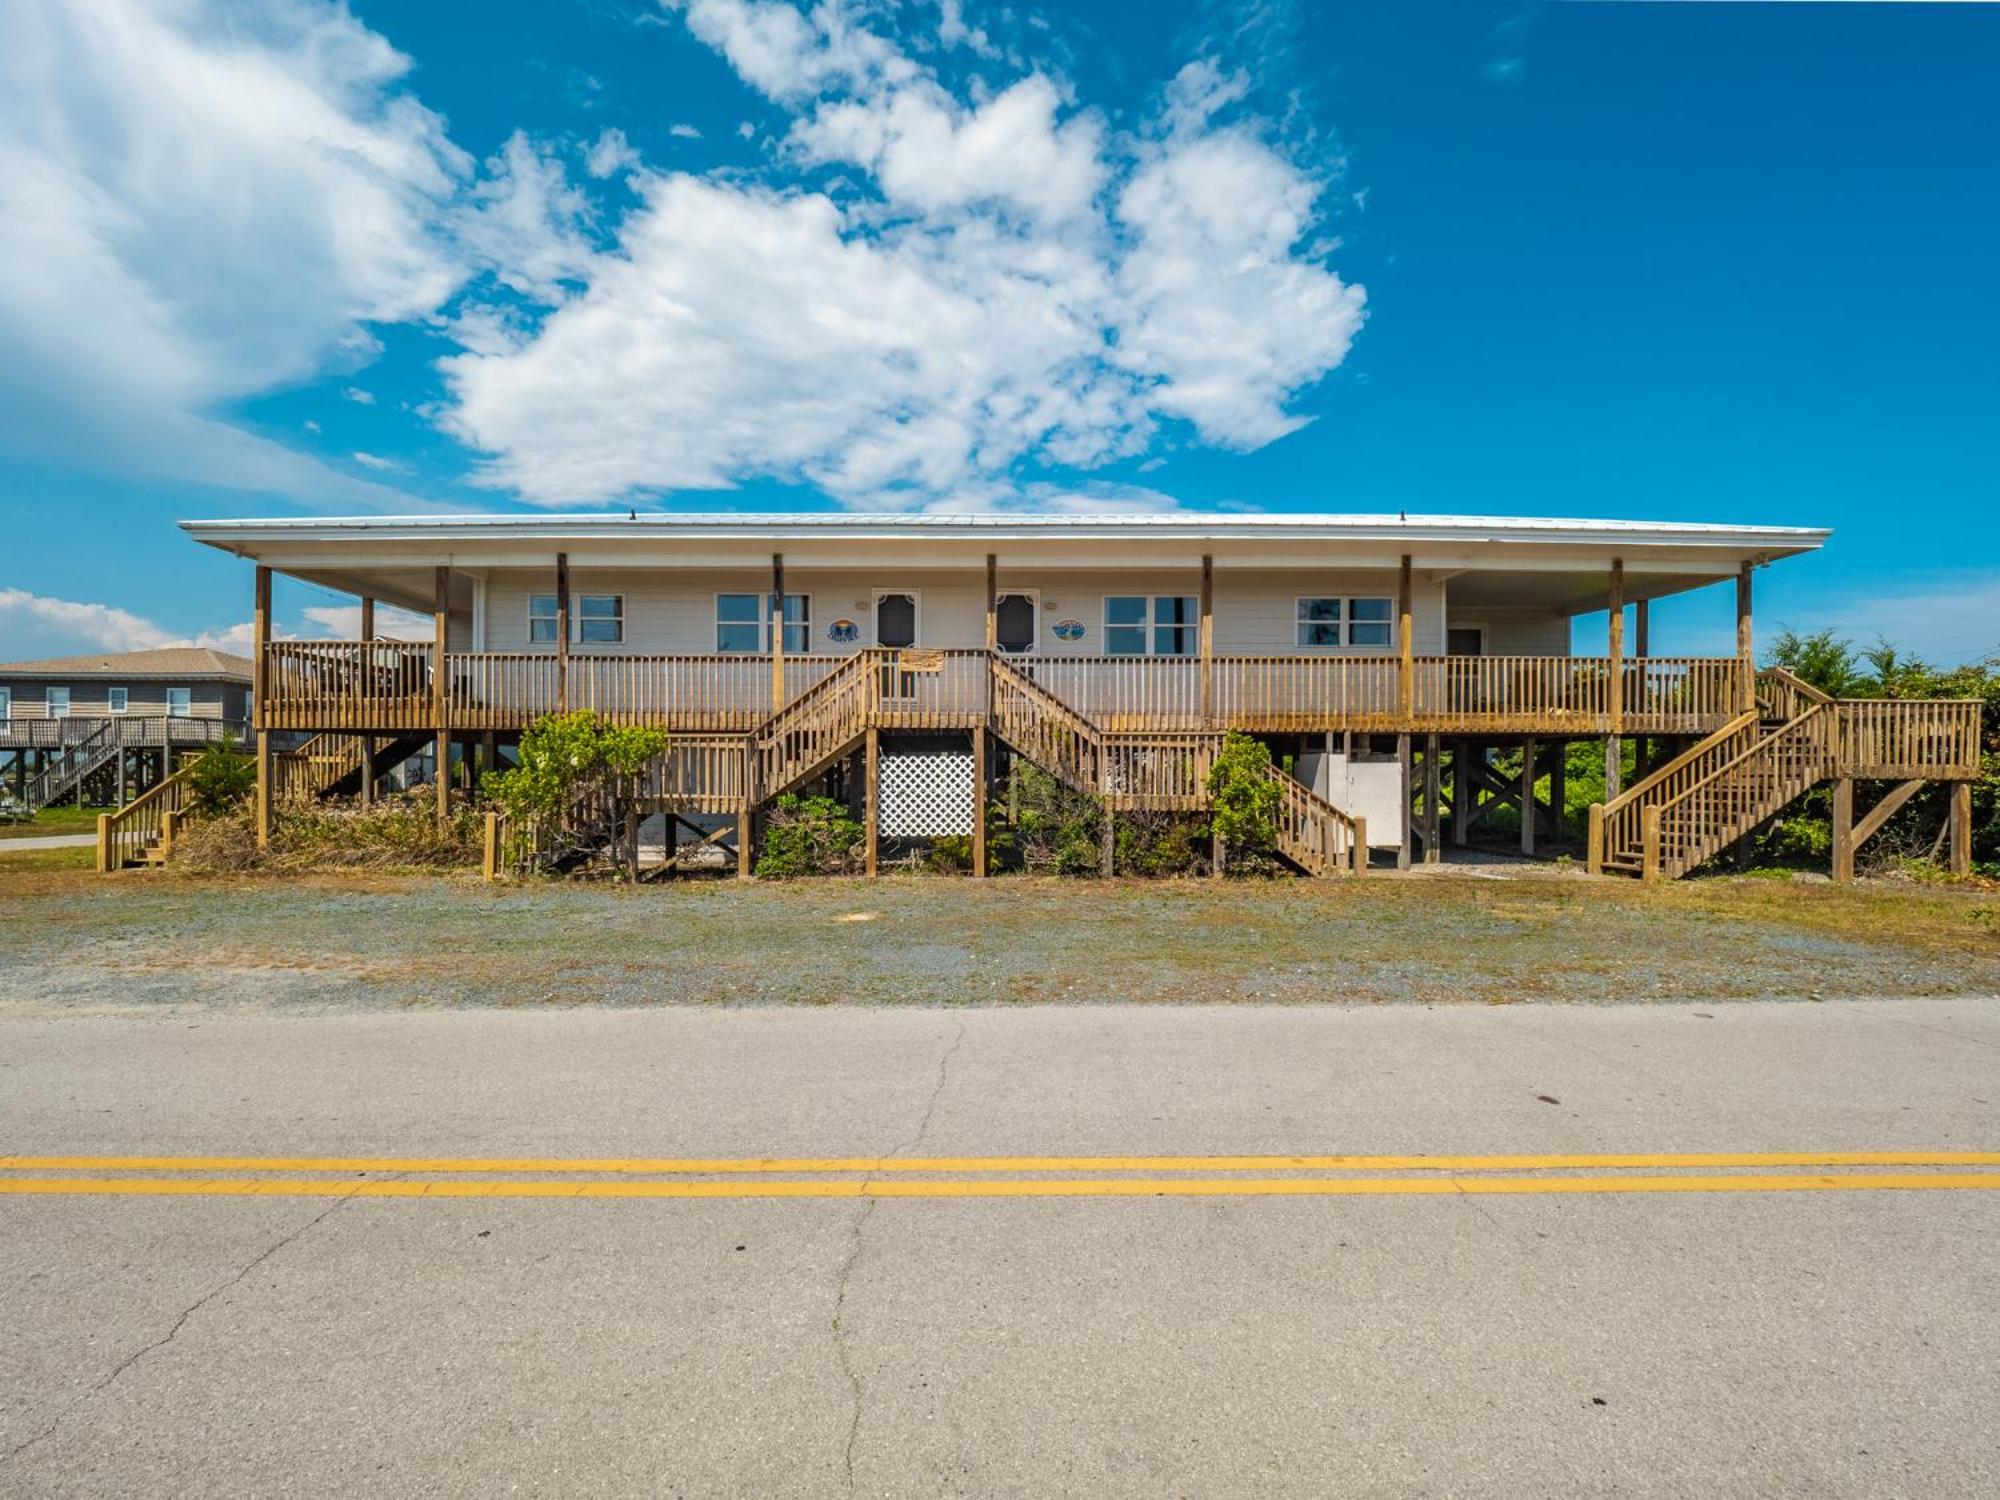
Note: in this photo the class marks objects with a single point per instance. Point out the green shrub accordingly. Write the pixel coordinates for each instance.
(561, 793)
(1244, 799)
(1055, 829)
(220, 778)
(1155, 843)
(811, 836)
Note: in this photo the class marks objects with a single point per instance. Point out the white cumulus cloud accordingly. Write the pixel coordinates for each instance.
(994, 280)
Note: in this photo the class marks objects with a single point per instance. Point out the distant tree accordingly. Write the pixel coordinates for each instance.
(1822, 659)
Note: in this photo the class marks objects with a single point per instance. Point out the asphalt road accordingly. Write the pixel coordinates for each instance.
(261, 1328)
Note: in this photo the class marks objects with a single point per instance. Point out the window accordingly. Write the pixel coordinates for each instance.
(1157, 625)
(1319, 622)
(596, 619)
(742, 623)
(1371, 622)
(600, 619)
(1345, 622)
(541, 619)
(58, 701)
(6, 704)
(117, 699)
(180, 703)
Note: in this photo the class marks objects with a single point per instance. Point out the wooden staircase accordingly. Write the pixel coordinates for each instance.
(329, 764)
(1314, 836)
(1038, 724)
(1725, 788)
(75, 763)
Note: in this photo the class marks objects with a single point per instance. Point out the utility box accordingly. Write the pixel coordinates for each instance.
(1362, 786)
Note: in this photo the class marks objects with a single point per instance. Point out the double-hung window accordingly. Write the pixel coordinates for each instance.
(743, 623)
(58, 703)
(1152, 624)
(6, 705)
(180, 703)
(600, 619)
(1344, 622)
(595, 619)
(117, 699)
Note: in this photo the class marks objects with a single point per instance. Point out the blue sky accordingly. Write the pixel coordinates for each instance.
(1723, 262)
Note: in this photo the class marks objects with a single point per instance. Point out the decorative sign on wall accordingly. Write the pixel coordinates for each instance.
(844, 632)
(1068, 630)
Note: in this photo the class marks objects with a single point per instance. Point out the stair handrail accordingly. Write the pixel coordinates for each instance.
(1792, 689)
(1813, 721)
(1304, 804)
(1004, 675)
(69, 757)
(148, 818)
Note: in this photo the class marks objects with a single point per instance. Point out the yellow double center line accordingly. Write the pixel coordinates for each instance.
(923, 1177)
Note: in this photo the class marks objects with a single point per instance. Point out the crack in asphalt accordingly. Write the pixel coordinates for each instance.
(856, 1246)
(173, 1331)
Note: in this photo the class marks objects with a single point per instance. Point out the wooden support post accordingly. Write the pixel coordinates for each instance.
(489, 751)
(562, 632)
(1529, 751)
(979, 803)
(489, 860)
(1218, 853)
(1961, 828)
(440, 684)
(1408, 798)
(992, 602)
(1406, 675)
(1649, 843)
(1207, 638)
(1843, 830)
(777, 631)
(1558, 789)
(1642, 647)
(1463, 792)
(873, 821)
(442, 781)
(1616, 686)
(260, 680)
(1746, 657)
(1360, 846)
(367, 740)
(1433, 788)
(1614, 766)
(1594, 855)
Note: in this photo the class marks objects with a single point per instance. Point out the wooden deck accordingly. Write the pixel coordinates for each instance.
(380, 686)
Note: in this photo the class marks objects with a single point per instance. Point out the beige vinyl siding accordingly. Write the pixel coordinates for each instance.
(1515, 631)
(90, 698)
(673, 613)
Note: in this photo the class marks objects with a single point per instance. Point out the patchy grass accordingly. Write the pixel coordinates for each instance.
(51, 821)
(161, 939)
(18, 862)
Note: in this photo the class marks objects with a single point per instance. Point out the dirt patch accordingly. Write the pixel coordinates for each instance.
(151, 940)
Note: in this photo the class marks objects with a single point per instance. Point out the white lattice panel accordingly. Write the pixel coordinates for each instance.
(923, 796)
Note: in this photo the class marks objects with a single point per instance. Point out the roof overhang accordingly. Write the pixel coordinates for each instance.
(1557, 562)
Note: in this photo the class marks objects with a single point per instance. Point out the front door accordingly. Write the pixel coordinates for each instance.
(895, 619)
(1014, 623)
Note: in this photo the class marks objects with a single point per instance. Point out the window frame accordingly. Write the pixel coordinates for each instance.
(576, 617)
(1388, 642)
(7, 704)
(1151, 625)
(763, 622)
(117, 700)
(186, 710)
(49, 701)
(1338, 622)
(616, 617)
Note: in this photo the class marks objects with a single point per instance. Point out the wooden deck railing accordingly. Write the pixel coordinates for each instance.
(387, 685)
(1906, 738)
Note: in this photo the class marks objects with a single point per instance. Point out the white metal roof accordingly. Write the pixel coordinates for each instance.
(1779, 540)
